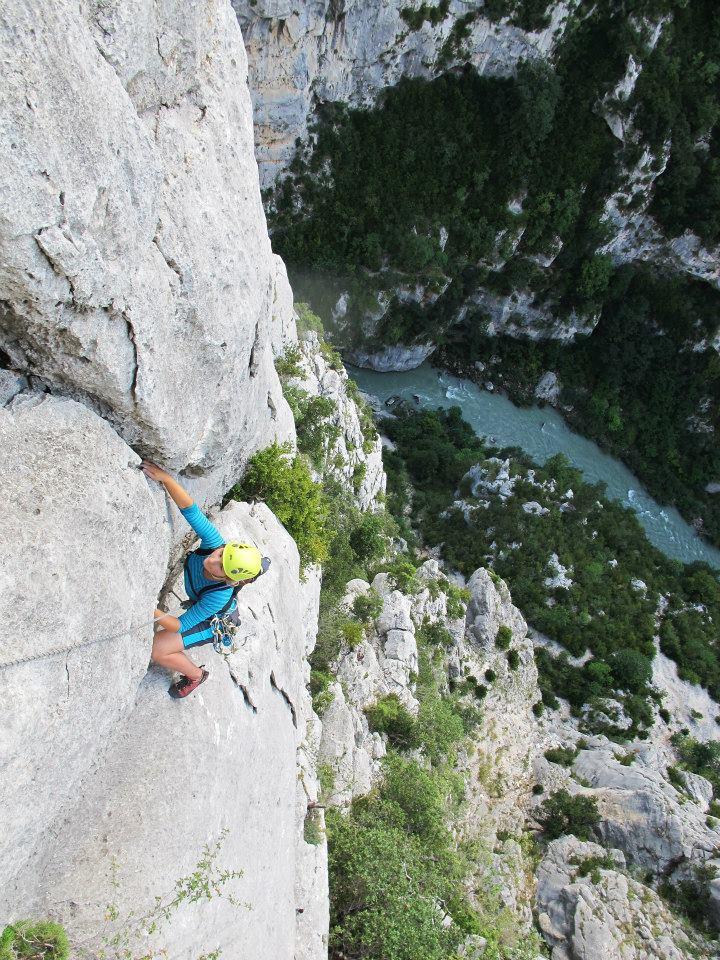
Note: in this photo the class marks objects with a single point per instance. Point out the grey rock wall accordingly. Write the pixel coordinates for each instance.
(168, 777)
(137, 273)
(140, 303)
(348, 52)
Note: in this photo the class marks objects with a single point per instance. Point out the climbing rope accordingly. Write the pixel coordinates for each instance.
(60, 651)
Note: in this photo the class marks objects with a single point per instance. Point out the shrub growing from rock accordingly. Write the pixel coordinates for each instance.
(389, 716)
(563, 813)
(34, 940)
(285, 484)
(367, 606)
(563, 756)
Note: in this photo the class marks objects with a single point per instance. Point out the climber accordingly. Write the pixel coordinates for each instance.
(214, 574)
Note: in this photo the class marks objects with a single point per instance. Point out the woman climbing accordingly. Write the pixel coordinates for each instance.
(214, 573)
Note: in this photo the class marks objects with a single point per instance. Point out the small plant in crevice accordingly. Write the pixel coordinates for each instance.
(503, 638)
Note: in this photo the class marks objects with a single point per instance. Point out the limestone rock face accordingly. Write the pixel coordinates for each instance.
(354, 460)
(87, 550)
(397, 357)
(221, 766)
(643, 814)
(137, 273)
(604, 913)
(301, 53)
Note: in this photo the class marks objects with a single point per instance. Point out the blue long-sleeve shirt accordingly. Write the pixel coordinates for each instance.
(195, 579)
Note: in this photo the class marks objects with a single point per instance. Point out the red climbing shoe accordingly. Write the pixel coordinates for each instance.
(185, 686)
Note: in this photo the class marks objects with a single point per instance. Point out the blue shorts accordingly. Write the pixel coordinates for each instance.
(197, 635)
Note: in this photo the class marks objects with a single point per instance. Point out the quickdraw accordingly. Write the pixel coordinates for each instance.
(226, 628)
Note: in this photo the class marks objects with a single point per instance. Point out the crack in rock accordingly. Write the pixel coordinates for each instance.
(242, 688)
(254, 364)
(284, 695)
(136, 365)
(172, 264)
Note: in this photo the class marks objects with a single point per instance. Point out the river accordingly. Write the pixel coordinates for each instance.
(541, 433)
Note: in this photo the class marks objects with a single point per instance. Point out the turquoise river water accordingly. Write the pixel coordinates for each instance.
(541, 432)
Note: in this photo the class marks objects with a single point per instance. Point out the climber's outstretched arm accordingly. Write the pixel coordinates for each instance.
(178, 494)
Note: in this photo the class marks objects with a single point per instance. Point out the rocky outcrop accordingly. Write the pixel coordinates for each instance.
(397, 357)
(140, 303)
(348, 52)
(589, 908)
(352, 458)
(137, 271)
(497, 765)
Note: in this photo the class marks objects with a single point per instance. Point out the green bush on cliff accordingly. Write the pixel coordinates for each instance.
(388, 715)
(34, 940)
(563, 813)
(283, 481)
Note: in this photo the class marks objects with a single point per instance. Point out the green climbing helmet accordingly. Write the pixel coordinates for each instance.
(241, 561)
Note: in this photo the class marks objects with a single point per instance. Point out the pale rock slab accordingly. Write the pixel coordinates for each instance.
(88, 548)
(397, 357)
(234, 762)
(616, 917)
(137, 273)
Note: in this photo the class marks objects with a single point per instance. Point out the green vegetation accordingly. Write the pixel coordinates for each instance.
(393, 857)
(635, 384)
(692, 900)
(415, 18)
(308, 321)
(564, 756)
(700, 758)
(367, 606)
(389, 716)
(563, 813)
(34, 940)
(320, 681)
(504, 637)
(435, 635)
(528, 14)
(598, 540)
(284, 482)
(513, 659)
(457, 601)
(591, 866)
(677, 97)
(391, 860)
(459, 152)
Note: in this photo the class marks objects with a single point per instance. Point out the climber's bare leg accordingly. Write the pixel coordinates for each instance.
(169, 652)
